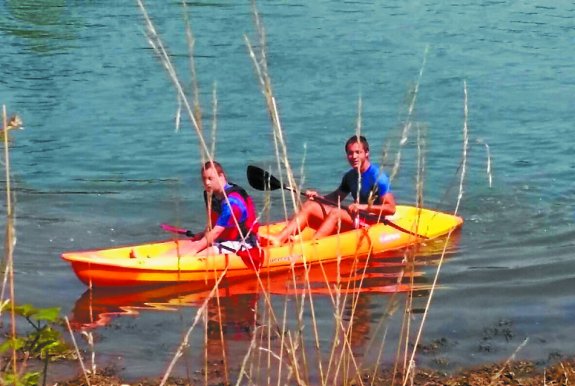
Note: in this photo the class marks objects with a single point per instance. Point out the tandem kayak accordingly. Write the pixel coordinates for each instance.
(167, 262)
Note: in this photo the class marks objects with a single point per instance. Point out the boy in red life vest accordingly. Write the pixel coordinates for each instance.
(368, 186)
(232, 218)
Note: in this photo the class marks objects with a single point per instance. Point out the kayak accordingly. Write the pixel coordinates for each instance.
(167, 261)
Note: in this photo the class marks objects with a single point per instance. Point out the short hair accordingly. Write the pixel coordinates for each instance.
(213, 164)
(357, 139)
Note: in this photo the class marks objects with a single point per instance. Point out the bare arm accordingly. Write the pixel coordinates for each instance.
(335, 196)
(384, 206)
(207, 239)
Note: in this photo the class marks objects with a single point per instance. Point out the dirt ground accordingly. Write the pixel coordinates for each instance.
(519, 373)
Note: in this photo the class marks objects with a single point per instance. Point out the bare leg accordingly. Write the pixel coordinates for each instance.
(330, 223)
(310, 209)
(186, 249)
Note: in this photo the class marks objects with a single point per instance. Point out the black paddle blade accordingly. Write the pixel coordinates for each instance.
(260, 179)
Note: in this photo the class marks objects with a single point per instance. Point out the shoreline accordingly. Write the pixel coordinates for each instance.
(519, 372)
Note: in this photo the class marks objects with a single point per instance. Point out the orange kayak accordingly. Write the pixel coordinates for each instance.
(168, 262)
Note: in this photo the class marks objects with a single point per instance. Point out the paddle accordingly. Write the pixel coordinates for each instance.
(252, 257)
(261, 179)
(180, 231)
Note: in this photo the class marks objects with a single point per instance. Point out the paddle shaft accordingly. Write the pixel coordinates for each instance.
(178, 230)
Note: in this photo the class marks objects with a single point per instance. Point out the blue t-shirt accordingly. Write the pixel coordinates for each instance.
(371, 181)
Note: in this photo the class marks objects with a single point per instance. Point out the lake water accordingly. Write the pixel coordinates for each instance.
(100, 164)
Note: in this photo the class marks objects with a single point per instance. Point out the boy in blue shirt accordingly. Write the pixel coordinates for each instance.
(369, 188)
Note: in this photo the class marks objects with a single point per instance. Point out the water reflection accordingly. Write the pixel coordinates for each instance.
(44, 24)
(241, 312)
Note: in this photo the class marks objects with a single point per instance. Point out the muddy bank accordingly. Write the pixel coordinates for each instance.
(521, 373)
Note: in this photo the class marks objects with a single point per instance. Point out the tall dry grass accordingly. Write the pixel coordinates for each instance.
(288, 344)
(280, 350)
(7, 295)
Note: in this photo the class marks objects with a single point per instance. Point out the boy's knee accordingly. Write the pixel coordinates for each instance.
(311, 207)
(334, 214)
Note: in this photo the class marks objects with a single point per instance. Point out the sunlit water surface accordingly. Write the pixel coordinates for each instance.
(99, 162)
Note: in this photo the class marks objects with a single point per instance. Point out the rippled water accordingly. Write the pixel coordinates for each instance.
(99, 163)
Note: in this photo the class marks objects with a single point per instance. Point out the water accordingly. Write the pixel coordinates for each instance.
(99, 162)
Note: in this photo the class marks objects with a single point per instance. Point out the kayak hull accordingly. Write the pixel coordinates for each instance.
(168, 262)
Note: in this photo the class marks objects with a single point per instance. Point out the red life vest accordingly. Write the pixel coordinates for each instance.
(249, 227)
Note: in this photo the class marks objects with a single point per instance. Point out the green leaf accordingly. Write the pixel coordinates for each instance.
(4, 306)
(48, 314)
(9, 343)
(5, 346)
(29, 379)
(25, 310)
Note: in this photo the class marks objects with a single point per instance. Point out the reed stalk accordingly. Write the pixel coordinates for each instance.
(411, 363)
(289, 360)
(408, 122)
(77, 349)
(495, 377)
(161, 51)
(9, 238)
